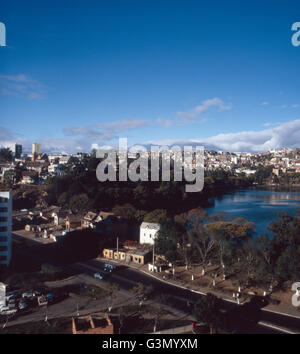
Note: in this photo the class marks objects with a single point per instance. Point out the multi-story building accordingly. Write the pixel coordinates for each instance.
(5, 227)
(148, 232)
(36, 149)
(18, 151)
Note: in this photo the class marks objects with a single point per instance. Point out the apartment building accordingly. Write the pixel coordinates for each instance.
(5, 227)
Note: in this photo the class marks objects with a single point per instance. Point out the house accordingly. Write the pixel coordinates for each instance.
(59, 216)
(90, 325)
(59, 236)
(148, 231)
(90, 219)
(29, 177)
(138, 256)
(56, 169)
(112, 227)
(37, 166)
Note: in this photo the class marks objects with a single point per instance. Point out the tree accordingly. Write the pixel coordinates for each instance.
(207, 310)
(9, 178)
(126, 211)
(264, 272)
(79, 203)
(237, 231)
(112, 290)
(142, 291)
(167, 240)
(140, 194)
(63, 199)
(157, 216)
(205, 246)
(51, 271)
(5, 155)
(139, 215)
(186, 250)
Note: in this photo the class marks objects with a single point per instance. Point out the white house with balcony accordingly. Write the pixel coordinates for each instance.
(5, 226)
(148, 232)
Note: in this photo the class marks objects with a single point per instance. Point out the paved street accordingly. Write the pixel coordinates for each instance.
(178, 298)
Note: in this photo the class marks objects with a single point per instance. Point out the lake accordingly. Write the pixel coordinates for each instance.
(256, 205)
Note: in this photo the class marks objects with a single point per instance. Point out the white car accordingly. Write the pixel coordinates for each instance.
(8, 311)
(98, 276)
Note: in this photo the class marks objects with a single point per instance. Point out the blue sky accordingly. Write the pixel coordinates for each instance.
(79, 73)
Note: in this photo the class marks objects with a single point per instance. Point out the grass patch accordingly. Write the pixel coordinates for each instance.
(61, 325)
(91, 291)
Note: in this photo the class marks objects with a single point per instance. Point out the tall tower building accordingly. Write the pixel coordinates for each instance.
(36, 148)
(5, 227)
(18, 151)
(36, 151)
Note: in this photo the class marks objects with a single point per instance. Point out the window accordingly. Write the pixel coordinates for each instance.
(3, 248)
(3, 218)
(3, 200)
(3, 210)
(3, 228)
(3, 258)
(3, 238)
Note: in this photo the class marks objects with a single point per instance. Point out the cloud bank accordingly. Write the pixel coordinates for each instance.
(283, 135)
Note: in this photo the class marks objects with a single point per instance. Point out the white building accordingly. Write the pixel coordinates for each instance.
(148, 231)
(5, 227)
(2, 294)
(36, 149)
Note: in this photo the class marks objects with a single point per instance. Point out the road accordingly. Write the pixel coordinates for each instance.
(179, 298)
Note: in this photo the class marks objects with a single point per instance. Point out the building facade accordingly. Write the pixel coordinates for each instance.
(5, 227)
(18, 151)
(36, 149)
(148, 231)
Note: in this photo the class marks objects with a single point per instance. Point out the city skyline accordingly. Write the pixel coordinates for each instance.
(178, 75)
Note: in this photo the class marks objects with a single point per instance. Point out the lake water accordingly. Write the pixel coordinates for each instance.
(258, 206)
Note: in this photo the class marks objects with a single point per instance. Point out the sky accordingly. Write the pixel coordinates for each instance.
(76, 75)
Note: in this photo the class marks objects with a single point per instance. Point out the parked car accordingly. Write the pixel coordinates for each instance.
(8, 311)
(4, 308)
(28, 295)
(31, 293)
(108, 267)
(22, 305)
(50, 297)
(98, 276)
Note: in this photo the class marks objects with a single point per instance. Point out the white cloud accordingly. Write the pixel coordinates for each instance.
(21, 85)
(284, 135)
(203, 107)
(265, 103)
(106, 131)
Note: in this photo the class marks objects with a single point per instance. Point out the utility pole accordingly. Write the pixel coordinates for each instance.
(153, 255)
(5, 322)
(46, 317)
(118, 247)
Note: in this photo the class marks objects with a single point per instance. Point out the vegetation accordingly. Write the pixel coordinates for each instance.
(5, 155)
(80, 190)
(91, 291)
(207, 310)
(232, 247)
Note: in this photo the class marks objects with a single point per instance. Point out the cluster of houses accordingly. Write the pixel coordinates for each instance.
(54, 223)
(284, 160)
(35, 168)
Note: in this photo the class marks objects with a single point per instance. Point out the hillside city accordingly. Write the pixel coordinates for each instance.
(90, 258)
